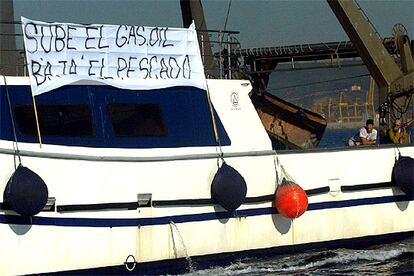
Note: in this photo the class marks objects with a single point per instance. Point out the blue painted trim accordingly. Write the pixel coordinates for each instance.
(179, 266)
(115, 222)
(185, 110)
(357, 202)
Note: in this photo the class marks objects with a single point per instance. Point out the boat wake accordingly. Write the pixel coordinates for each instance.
(347, 257)
(393, 258)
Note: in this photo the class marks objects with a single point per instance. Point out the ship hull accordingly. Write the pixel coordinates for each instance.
(288, 126)
(159, 238)
(149, 209)
(180, 266)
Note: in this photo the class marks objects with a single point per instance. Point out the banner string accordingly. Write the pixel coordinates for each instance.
(12, 120)
(213, 120)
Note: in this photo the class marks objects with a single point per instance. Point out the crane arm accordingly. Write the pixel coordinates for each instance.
(380, 64)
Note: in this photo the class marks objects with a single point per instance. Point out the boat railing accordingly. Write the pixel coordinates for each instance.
(218, 62)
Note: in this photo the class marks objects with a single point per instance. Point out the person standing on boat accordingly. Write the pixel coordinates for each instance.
(397, 134)
(367, 135)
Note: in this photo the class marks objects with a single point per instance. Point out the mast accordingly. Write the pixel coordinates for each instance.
(9, 56)
(193, 10)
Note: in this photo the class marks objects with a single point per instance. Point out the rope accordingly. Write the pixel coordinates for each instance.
(17, 151)
(367, 18)
(276, 163)
(394, 109)
(286, 175)
(213, 120)
(283, 176)
(317, 82)
(227, 16)
(396, 157)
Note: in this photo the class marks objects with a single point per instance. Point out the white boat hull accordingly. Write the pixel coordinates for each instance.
(91, 239)
(98, 225)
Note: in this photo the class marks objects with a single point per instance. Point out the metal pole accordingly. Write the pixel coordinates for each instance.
(228, 56)
(220, 57)
(202, 47)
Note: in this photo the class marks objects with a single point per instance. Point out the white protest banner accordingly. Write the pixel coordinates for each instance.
(128, 57)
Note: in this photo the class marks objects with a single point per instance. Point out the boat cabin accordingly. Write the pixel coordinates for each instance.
(106, 116)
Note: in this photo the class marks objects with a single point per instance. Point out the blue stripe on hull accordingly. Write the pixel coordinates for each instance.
(98, 222)
(222, 259)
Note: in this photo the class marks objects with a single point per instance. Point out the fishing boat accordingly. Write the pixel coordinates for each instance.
(102, 178)
(119, 201)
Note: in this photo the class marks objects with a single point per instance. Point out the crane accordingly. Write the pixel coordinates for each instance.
(395, 83)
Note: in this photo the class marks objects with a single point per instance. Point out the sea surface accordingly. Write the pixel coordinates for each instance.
(386, 259)
(337, 137)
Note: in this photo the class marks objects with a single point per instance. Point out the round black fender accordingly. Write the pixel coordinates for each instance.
(26, 193)
(229, 188)
(403, 174)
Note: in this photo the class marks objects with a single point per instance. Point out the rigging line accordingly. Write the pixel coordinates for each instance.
(367, 18)
(213, 121)
(227, 16)
(12, 120)
(316, 82)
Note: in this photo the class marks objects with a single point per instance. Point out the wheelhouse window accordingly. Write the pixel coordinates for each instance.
(55, 120)
(137, 120)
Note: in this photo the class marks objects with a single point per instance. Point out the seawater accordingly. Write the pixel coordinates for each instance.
(389, 259)
(337, 137)
(386, 259)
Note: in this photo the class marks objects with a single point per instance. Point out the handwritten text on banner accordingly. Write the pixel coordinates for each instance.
(129, 57)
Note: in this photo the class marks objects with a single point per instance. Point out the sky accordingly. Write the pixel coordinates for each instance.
(262, 23)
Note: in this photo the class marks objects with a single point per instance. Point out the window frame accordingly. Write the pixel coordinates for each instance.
(67, 108)
(162, 127)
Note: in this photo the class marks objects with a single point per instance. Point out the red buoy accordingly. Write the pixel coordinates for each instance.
(291, 200)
